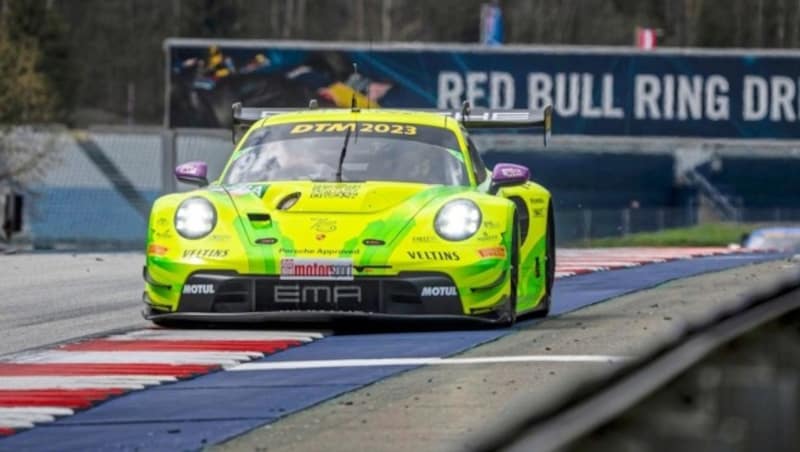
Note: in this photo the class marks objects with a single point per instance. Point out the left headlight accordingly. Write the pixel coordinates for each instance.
(458, 220)
(195, 218)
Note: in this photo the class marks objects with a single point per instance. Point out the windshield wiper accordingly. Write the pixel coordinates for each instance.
(341, 156)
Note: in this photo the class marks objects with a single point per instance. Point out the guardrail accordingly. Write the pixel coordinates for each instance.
(559, 424)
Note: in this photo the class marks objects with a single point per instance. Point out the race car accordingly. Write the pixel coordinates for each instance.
(323, 214)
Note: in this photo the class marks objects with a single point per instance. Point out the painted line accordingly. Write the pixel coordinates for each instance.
(83, 382)
(244, 335)
(270, 346)
(149, 357)
(105, 369)
(50, 410)
(429, 361)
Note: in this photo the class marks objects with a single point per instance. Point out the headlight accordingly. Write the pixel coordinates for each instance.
(195, 218)
(458, 220)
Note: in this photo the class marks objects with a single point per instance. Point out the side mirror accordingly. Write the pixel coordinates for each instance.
(195, 173)
(508, 175)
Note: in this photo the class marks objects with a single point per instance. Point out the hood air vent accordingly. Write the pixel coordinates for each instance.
(289, 201)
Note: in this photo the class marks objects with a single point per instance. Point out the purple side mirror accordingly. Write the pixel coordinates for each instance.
(195, 173)
(507, 175)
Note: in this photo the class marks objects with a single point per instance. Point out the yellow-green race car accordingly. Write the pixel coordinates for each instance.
(354, 213)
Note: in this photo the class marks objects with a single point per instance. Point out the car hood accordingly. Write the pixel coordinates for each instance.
(332, 219)
(309, 197)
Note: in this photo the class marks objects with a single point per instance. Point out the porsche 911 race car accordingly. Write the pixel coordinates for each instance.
(323, 214)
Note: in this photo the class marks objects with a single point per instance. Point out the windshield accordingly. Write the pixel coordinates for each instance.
(375, 152)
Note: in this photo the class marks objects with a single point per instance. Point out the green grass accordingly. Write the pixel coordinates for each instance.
(710, 234)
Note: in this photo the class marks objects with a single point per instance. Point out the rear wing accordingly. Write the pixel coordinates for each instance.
(244, 117)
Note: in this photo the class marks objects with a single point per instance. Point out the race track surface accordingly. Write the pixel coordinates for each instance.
(284, 371)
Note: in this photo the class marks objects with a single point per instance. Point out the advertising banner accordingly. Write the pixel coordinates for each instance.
(594, 91)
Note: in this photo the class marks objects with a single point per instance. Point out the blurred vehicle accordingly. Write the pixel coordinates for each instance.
(773, 238)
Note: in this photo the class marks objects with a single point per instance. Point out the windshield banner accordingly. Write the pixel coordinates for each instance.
(594, 92)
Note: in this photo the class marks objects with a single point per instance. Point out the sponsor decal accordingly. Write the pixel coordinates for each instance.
(205, 253)
(423, 239)
(248, 189)
(363, 127)
(485, 236)
(320, 236)
(536, 201)
(335, 191)
(434, 255)
(439, 291)
(316, 294)
(491, 224)
(511, 172)
(537, 213)
(219, 237)
(323, 225)
(324, 269)
(496, 251)
(162, 229)
(319, 251)
(198, 289)
(258, 190)
(157, 250)
(166, 235)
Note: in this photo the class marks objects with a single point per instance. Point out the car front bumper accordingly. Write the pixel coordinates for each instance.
(233, 297)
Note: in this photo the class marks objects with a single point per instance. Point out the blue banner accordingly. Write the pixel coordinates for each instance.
(594, 92)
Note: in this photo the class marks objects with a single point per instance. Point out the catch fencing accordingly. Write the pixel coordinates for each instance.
(97, 191)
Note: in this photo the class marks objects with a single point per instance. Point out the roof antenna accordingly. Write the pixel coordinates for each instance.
(465, 110)
(354, 102)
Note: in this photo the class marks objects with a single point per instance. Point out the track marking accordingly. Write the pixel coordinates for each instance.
(83, 382)
(429, 361)
(150, 357)
(210, 335)
(37, 387)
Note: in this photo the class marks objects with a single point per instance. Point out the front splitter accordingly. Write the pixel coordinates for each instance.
(315, 316)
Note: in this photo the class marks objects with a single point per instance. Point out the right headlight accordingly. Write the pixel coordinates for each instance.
(458, 220)
(195, 218)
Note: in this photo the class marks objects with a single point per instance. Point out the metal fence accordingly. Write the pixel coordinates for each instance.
(97, 191)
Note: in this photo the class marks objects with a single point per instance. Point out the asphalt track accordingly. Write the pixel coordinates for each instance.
(210, 409)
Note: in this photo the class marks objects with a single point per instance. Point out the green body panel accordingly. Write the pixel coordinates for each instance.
(332, 220)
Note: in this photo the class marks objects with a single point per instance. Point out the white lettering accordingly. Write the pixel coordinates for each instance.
(540, 86)
(609, 110)
(588, 109)
(451, 88)
(563, 107)
(647, 88)
(669, 96)
(198, 289)
(754, 98)
(690, 97)
(439, 291)
(475, 91)
(717, 102)
(782, 92)
(316, 294)
(501, 83)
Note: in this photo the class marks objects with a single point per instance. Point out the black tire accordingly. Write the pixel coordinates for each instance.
(550, 265)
